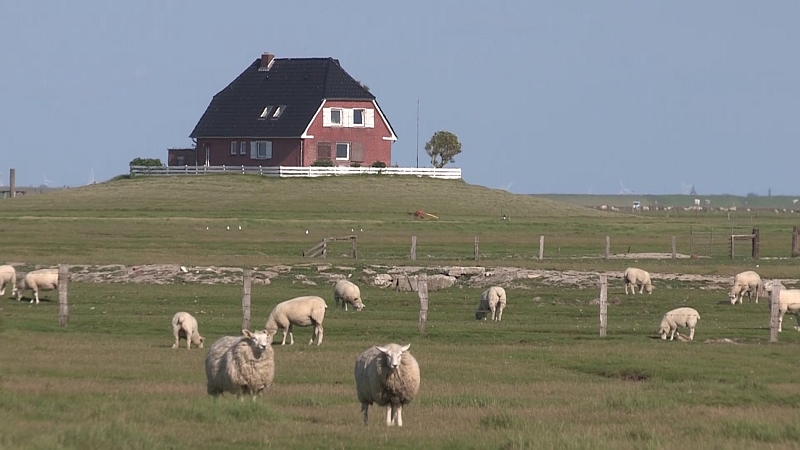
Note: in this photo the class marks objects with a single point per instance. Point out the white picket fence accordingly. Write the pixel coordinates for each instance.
(289, 171)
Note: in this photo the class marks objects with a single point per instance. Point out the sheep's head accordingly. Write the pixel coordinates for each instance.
(732, 297)
(648, 288)
(358, 305)
(258, 340)
(197, 339)
(393, 354)
(663, 332)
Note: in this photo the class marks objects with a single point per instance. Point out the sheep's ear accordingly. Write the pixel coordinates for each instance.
(247, 333)
(405, 349)
(383, 349)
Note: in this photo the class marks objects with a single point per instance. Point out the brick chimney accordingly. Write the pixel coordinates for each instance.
(266, 61)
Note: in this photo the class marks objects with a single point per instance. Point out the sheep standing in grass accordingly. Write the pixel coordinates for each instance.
(637, 277)
(493, 300)
(8, 277)
(789, 302)
(184, 325)
(748, 283)
(389, 376)
(241, 365)
(38, 280)
(679, 317)
(347, 292)
(300, 311)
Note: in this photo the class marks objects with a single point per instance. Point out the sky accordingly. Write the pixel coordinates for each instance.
(545, 96)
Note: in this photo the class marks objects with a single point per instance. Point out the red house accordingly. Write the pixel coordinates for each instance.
(292, 112)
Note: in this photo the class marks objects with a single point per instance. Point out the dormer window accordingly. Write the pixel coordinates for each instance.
(265, 113)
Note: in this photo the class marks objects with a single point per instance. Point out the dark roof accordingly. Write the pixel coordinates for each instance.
(298, 83)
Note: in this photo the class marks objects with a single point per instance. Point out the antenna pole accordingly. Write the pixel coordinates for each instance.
(417, 133)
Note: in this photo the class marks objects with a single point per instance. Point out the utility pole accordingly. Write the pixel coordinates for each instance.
(417, 133)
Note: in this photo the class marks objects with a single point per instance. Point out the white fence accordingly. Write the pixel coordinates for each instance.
(288, 171)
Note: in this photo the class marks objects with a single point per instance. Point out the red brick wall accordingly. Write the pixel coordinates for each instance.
(375, 147)
(285, 152)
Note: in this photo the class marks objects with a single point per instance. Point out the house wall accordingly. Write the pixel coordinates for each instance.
(285, 152)
(375, 147)
(173, 155)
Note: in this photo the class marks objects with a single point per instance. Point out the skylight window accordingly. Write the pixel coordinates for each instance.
(278, 111)
(265, 113)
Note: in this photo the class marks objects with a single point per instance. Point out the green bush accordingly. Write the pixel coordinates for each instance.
(355, 164)
(154, 162)
(322, 163)
(379, 164)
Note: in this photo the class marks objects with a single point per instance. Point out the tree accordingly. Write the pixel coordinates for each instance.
(442, 147)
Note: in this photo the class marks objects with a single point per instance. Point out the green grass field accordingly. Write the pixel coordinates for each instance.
(542, 378)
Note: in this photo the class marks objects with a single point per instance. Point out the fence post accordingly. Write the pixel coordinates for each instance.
(674, 252)
(774, 308)
(608, 246)
(691, 239)
(541, 247)
(711, 242)
(325, 248)
(63, 303)
(413, 248)
(476, 249)
(247, 279)
(733, 246)
(422, 290)
(12, 182)
(795, 242)
(603, 305)
(355, 247)
(756, 243)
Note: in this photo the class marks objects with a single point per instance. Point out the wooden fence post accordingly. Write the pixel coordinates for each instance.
(422, 290)
(325, 248)
(541, 248)
(247, 279)
(608, 247)
(603, 305)
(691, 239)
(355, 247)
(63, 303)
(12, 182)
(477, 254)
(756, 243)
(795, 242)
(774, 308)
(413, 248)
(733, 247)
(674, 252)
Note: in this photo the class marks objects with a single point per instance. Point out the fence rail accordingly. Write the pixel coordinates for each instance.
(290, 171)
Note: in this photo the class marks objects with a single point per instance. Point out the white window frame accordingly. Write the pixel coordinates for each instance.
(265, 112)
(363, 117)
(243, 148)
(278, 111)
(234, 148)
(347, 157)
(341, 117)
(255, 149)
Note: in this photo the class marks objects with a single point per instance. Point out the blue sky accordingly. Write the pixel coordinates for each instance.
(545, 97)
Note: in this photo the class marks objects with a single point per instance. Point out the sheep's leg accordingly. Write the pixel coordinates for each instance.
(188, 340)
(780, 321)
(626, 288)
(399, 416)
(175, 333)
(291, 335)
(691, 334)
(492, 310)
(500, 312)
(672, 334)
(364, 409)
(35, 297)
(319, 333)
(285, 332)
(641, 288)
(389, 414)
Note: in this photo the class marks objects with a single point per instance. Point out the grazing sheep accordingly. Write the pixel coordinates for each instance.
(748, 283)
(38, 280)
(8, 277)
(241, 365)
(347, 292)
(184, 325)
(300, 311)
(492, 300)
(679, 317)
(389, 376)
(789, 302)
(634, 277)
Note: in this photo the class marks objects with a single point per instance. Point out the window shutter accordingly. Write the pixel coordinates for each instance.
(357, 152)
(324, 150)
(268, 147)
(253, 150)
(369, 118)
(347, 117)
(326, 117)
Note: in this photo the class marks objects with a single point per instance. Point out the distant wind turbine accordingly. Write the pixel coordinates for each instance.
(622, 189)
(47, 182)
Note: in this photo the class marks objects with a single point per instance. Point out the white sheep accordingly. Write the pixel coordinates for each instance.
(637, 277)
(38, 280)
(184, 325)
(492, 300)
(679, 317)
(241, 365)
(388, 376)
(789, 302)
(347, 292)
(748, 283)
(300, 311)
(8, 277)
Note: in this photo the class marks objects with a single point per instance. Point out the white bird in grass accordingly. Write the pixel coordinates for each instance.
(306, 231)
(228, 227)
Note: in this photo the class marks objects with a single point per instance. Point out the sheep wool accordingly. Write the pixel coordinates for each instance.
(388, 376)
(301, 311)
(788, 302)
(38, 280)
(679, 317)
(748, 283)
(240, 365)
(8, 277)
(493, 300)
(637, 277)
(184, 325)
(347, 292)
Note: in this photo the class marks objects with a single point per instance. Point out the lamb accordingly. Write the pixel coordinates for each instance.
(634, 277)
(241, 365)
(748, 283)
(789, 302)
(184, 325)
(347, 292)
(492, 300)
(8, 276)
(38, 280)
(389, 376)
(300, 311)
(679, 317)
